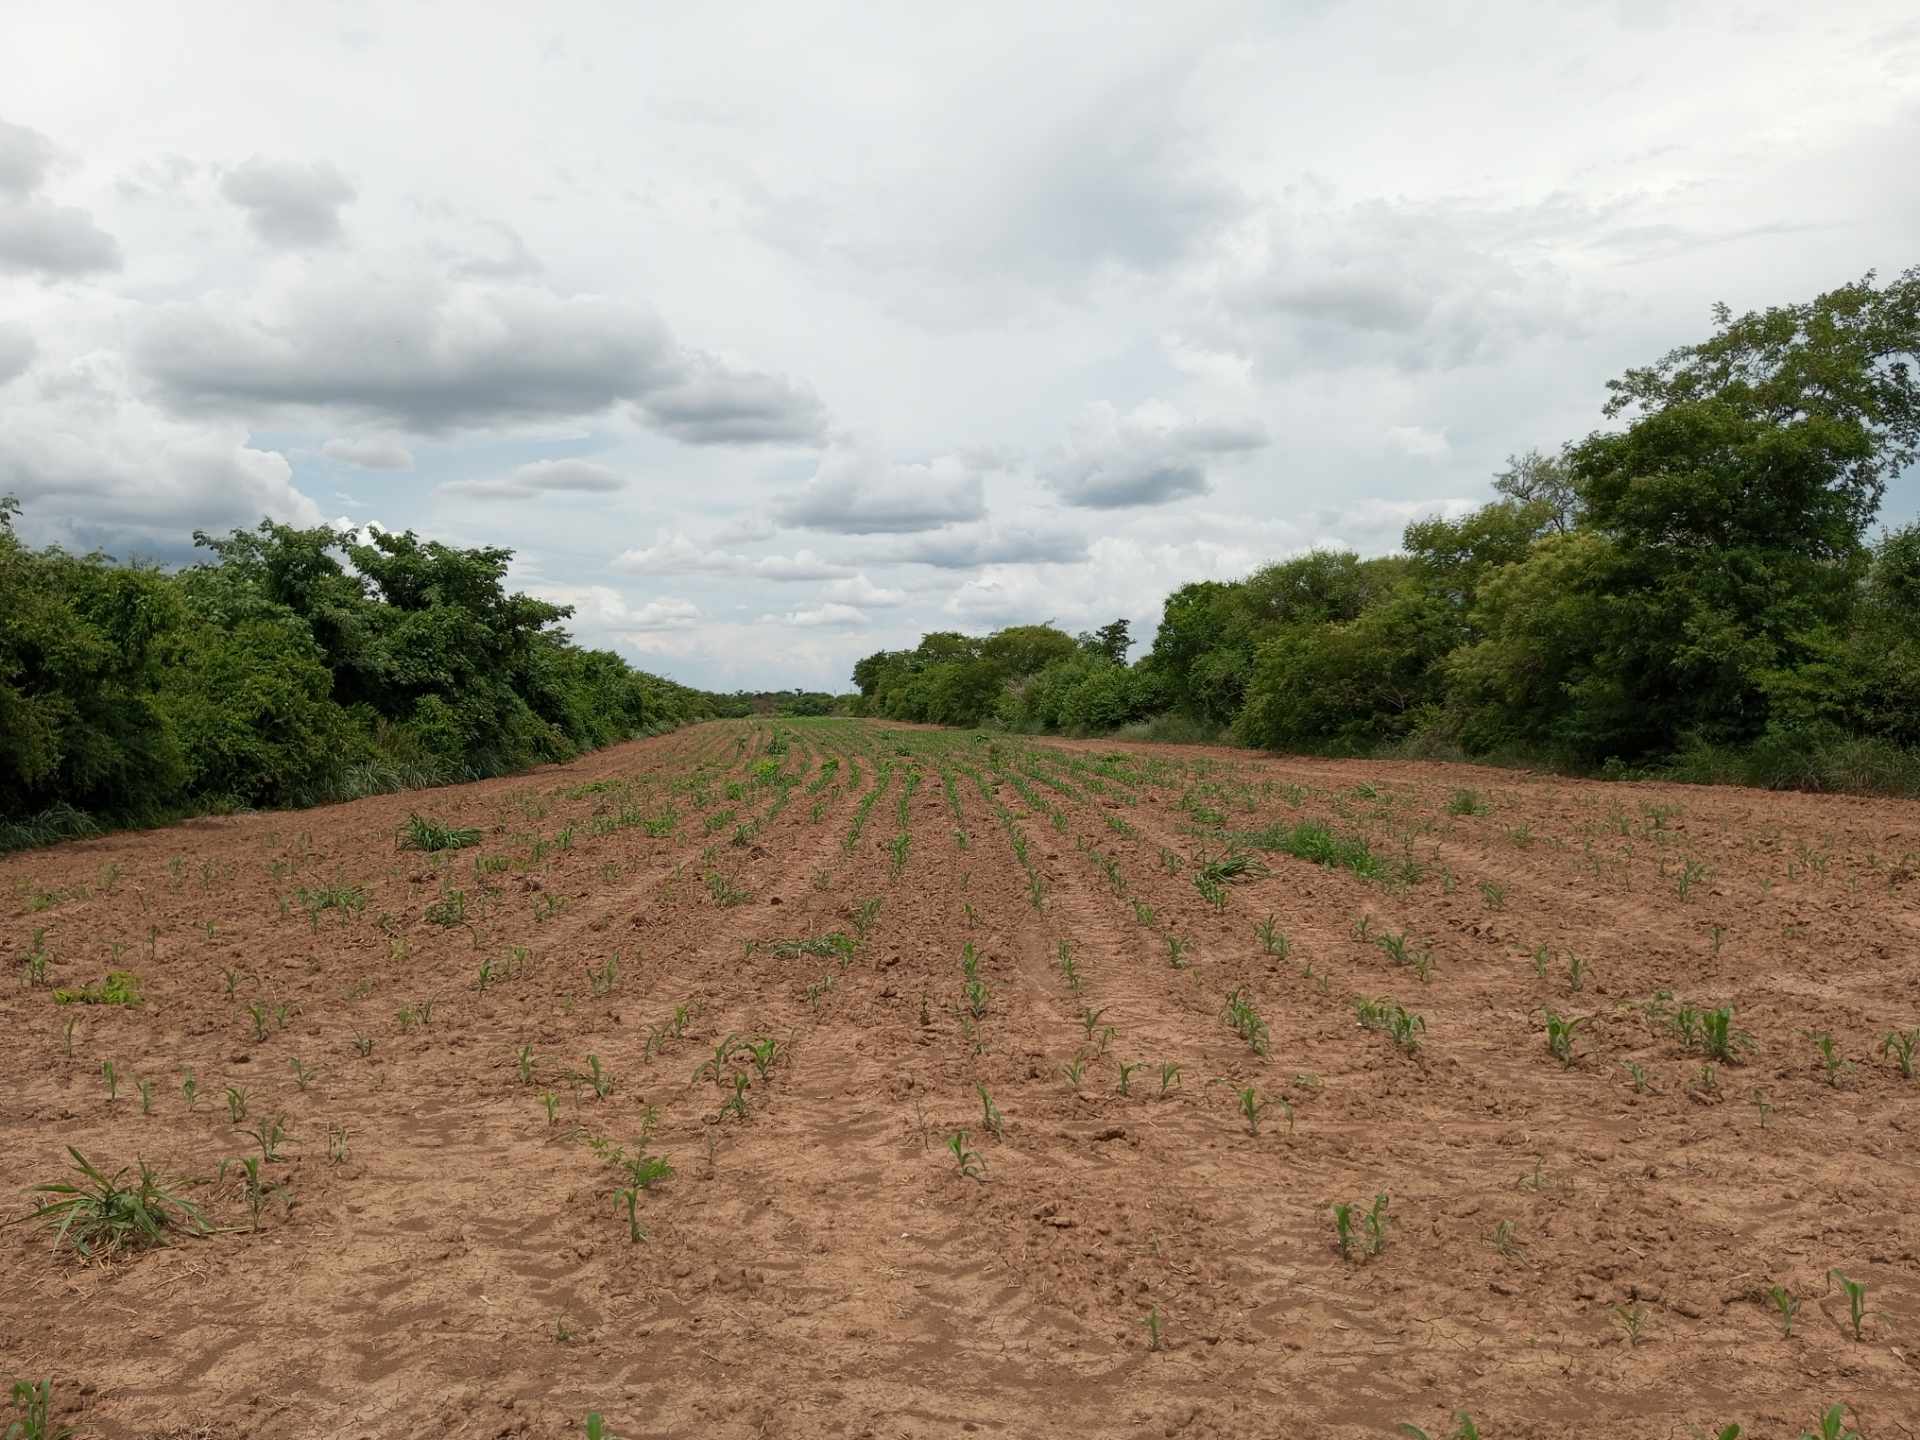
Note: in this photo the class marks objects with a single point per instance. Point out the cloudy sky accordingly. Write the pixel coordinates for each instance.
(768, 336)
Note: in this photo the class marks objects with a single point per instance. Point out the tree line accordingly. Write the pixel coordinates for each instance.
(292, 667)
(1696, 588)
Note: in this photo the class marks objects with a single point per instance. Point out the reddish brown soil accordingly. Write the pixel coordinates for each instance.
(821, 1267)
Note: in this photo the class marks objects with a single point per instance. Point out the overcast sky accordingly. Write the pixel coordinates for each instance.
(770, 336)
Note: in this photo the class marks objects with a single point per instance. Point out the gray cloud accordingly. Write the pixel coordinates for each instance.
(426, 355)
(711, 405)
(290, 205)
(94, 465)
(1150, 456)
(369, 452)
(856, 493)
(542, 477)
(968, 547)
(407, 351)
(53, 241)
(677, 555)
(17, 350)
(25, 158)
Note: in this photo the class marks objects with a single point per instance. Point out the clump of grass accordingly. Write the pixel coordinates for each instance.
(1313, 842)
(421, 833)
(120, 987)
(102, 1215)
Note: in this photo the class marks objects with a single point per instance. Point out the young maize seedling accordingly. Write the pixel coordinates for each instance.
(1639, 1074)
(1760, 1104)
(1154, 1328)
(762, 1053)
(977, 996)
(302, 1076)
(716, 1069)
(1377, 1226)
(190, 1087)
(1176, 952)
(111, 1075)
(362, 1044)
(1900, 1044)
(969, 960)
(260, 1014)
(1830, 1057)
(1576, 974)
(1073, 1071)
(1503, 1241)
(971, 1164)
(523, 1064)
(600, 1077)
(1856, 1293)
(1126, 1074)
(552, 1104)
(269, 1132)
(1721, 1041)
(1632, 1320)
(35, 1405)
(1090, 1018)
(1252, 1107)
(1787, 1303)
(1169, 1076)
(336, 1144)
(1464, 1429)
(1272, 940)
(1560, 1036)
(1345, 1235)
(1493, 894)
(736, 1104)
(989, 1114)
(1833, 1426)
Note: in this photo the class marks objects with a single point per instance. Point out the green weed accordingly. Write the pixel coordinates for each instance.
(420, 833)
(101, 1215)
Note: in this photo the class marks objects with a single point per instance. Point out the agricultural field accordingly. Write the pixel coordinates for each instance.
(826, 1078)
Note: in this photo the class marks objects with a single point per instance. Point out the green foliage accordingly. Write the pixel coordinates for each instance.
(101, 1215)
(424, 834)
(121, 987)
(34, 1406)
(291, 667)
(1689, 589)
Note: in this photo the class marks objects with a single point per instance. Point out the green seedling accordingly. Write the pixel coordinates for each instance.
(66, 1034)
(1272, 940)
(600, 978)
(258, 1192)
(1830, 1057)
(362, 1044)
(1169, 1076)
(336, 1144)
(269, 1133)
(523, 1064)
(1090, 1018)
(736, 1103)
(552, 1104)
(1493, 894)
(1126, 1074)
(1560, 1036)
(145, 1087)
(977, 995)
(989, 1114)
(34, 1403)
(190, 1088)
(1633, 1320)
(597, 1427)
(971, 1164)
(111, 1075)
(1154, 1328)
(1833, 1426)
(1464, 1429)
(120, 987)
(1252, 1107)
(1900, 1044)
(1856, 1293)
(101, 1215)
(1176, 952)
(1718, 1037)
(1347, 1233)
(1504, 1242)
(599, 1077)
(302, 1076)
(1787, 1304)
(761, 1053)
(1073, 1071)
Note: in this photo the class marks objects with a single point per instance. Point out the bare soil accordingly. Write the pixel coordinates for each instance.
(1571, 1249)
